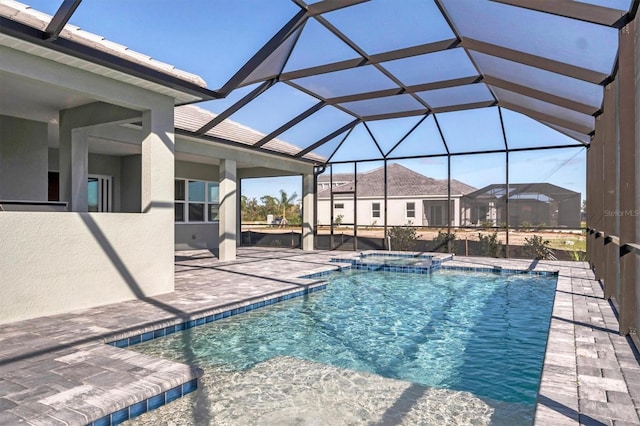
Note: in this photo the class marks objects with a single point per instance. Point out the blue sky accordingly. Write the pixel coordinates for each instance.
(214, 38)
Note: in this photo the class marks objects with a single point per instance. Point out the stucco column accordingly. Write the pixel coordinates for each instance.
(79, 170)
(308, 218)
(228, 210)
(157, 166)
(72, 122)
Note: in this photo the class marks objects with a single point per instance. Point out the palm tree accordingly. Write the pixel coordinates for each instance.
(286, 202)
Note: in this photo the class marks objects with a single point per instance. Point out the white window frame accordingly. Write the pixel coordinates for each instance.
(105, 192)
(185, 203)
(373, 210)
(407, 209)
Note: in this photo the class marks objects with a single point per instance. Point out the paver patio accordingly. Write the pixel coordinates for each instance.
(57, 369)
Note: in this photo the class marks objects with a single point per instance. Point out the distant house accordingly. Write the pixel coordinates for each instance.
(411, 196)
(534, 204)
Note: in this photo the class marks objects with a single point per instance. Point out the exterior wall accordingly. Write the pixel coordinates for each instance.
(130, 195)
(64, 261)
(396, 211)
(58, 262)
(198, 171)
(23, 159)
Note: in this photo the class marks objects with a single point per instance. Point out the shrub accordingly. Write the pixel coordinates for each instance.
(538, 248)
(403, 238)
(491, 246)
(525, 226)
(487, 224)
(338, 220)
(443, 239)
(578, 256)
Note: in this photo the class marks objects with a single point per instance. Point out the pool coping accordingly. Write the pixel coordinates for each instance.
(36, 346)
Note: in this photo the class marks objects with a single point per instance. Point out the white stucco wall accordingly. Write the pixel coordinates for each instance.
(57, 262)
(396, 211)
(23, 159)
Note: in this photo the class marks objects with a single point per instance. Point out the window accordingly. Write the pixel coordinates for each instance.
(196, 201)
(99, 193)
(180, 199)
(213, 201)
(196, 196)
(338, 206)
(375, 209)
(411, 209)
(436, 216)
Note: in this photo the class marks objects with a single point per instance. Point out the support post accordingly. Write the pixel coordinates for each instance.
(227, 214)
(629, 178)
(610, 193)
(308, 217)
(79, 170)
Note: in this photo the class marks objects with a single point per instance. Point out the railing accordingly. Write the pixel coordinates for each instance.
(32, 206)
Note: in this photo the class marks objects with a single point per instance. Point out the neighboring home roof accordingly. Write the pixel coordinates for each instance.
(190, 118)
(401, 182)
(498, 191)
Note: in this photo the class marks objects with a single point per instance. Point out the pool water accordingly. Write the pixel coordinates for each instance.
(394, 260)
(479, 337)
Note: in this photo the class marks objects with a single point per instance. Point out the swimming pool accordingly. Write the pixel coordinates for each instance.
(375, 345)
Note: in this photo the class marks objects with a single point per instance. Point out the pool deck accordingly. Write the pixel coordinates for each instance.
(57, 370)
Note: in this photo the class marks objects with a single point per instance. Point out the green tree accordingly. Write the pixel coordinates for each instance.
(269, 205)
(251, 210)
(285, 203)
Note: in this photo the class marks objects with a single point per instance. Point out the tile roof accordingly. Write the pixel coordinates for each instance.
(24, 14)
(402, 182)
(191, 118)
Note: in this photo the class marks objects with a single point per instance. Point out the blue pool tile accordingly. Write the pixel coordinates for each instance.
(200, 321)
(122, 343)
(156, 401)
(234, 312)
(210, 318)
(189, 386)
(218, 316)
(133, 340)
(120, 416)
(180, 327)
(241, 310)
(103, 421)
(189, 324)
(146, 336)
(137, 409)
(248, 308)
(170, 330)
(159, 333)
(173, 394)
(226, 314)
